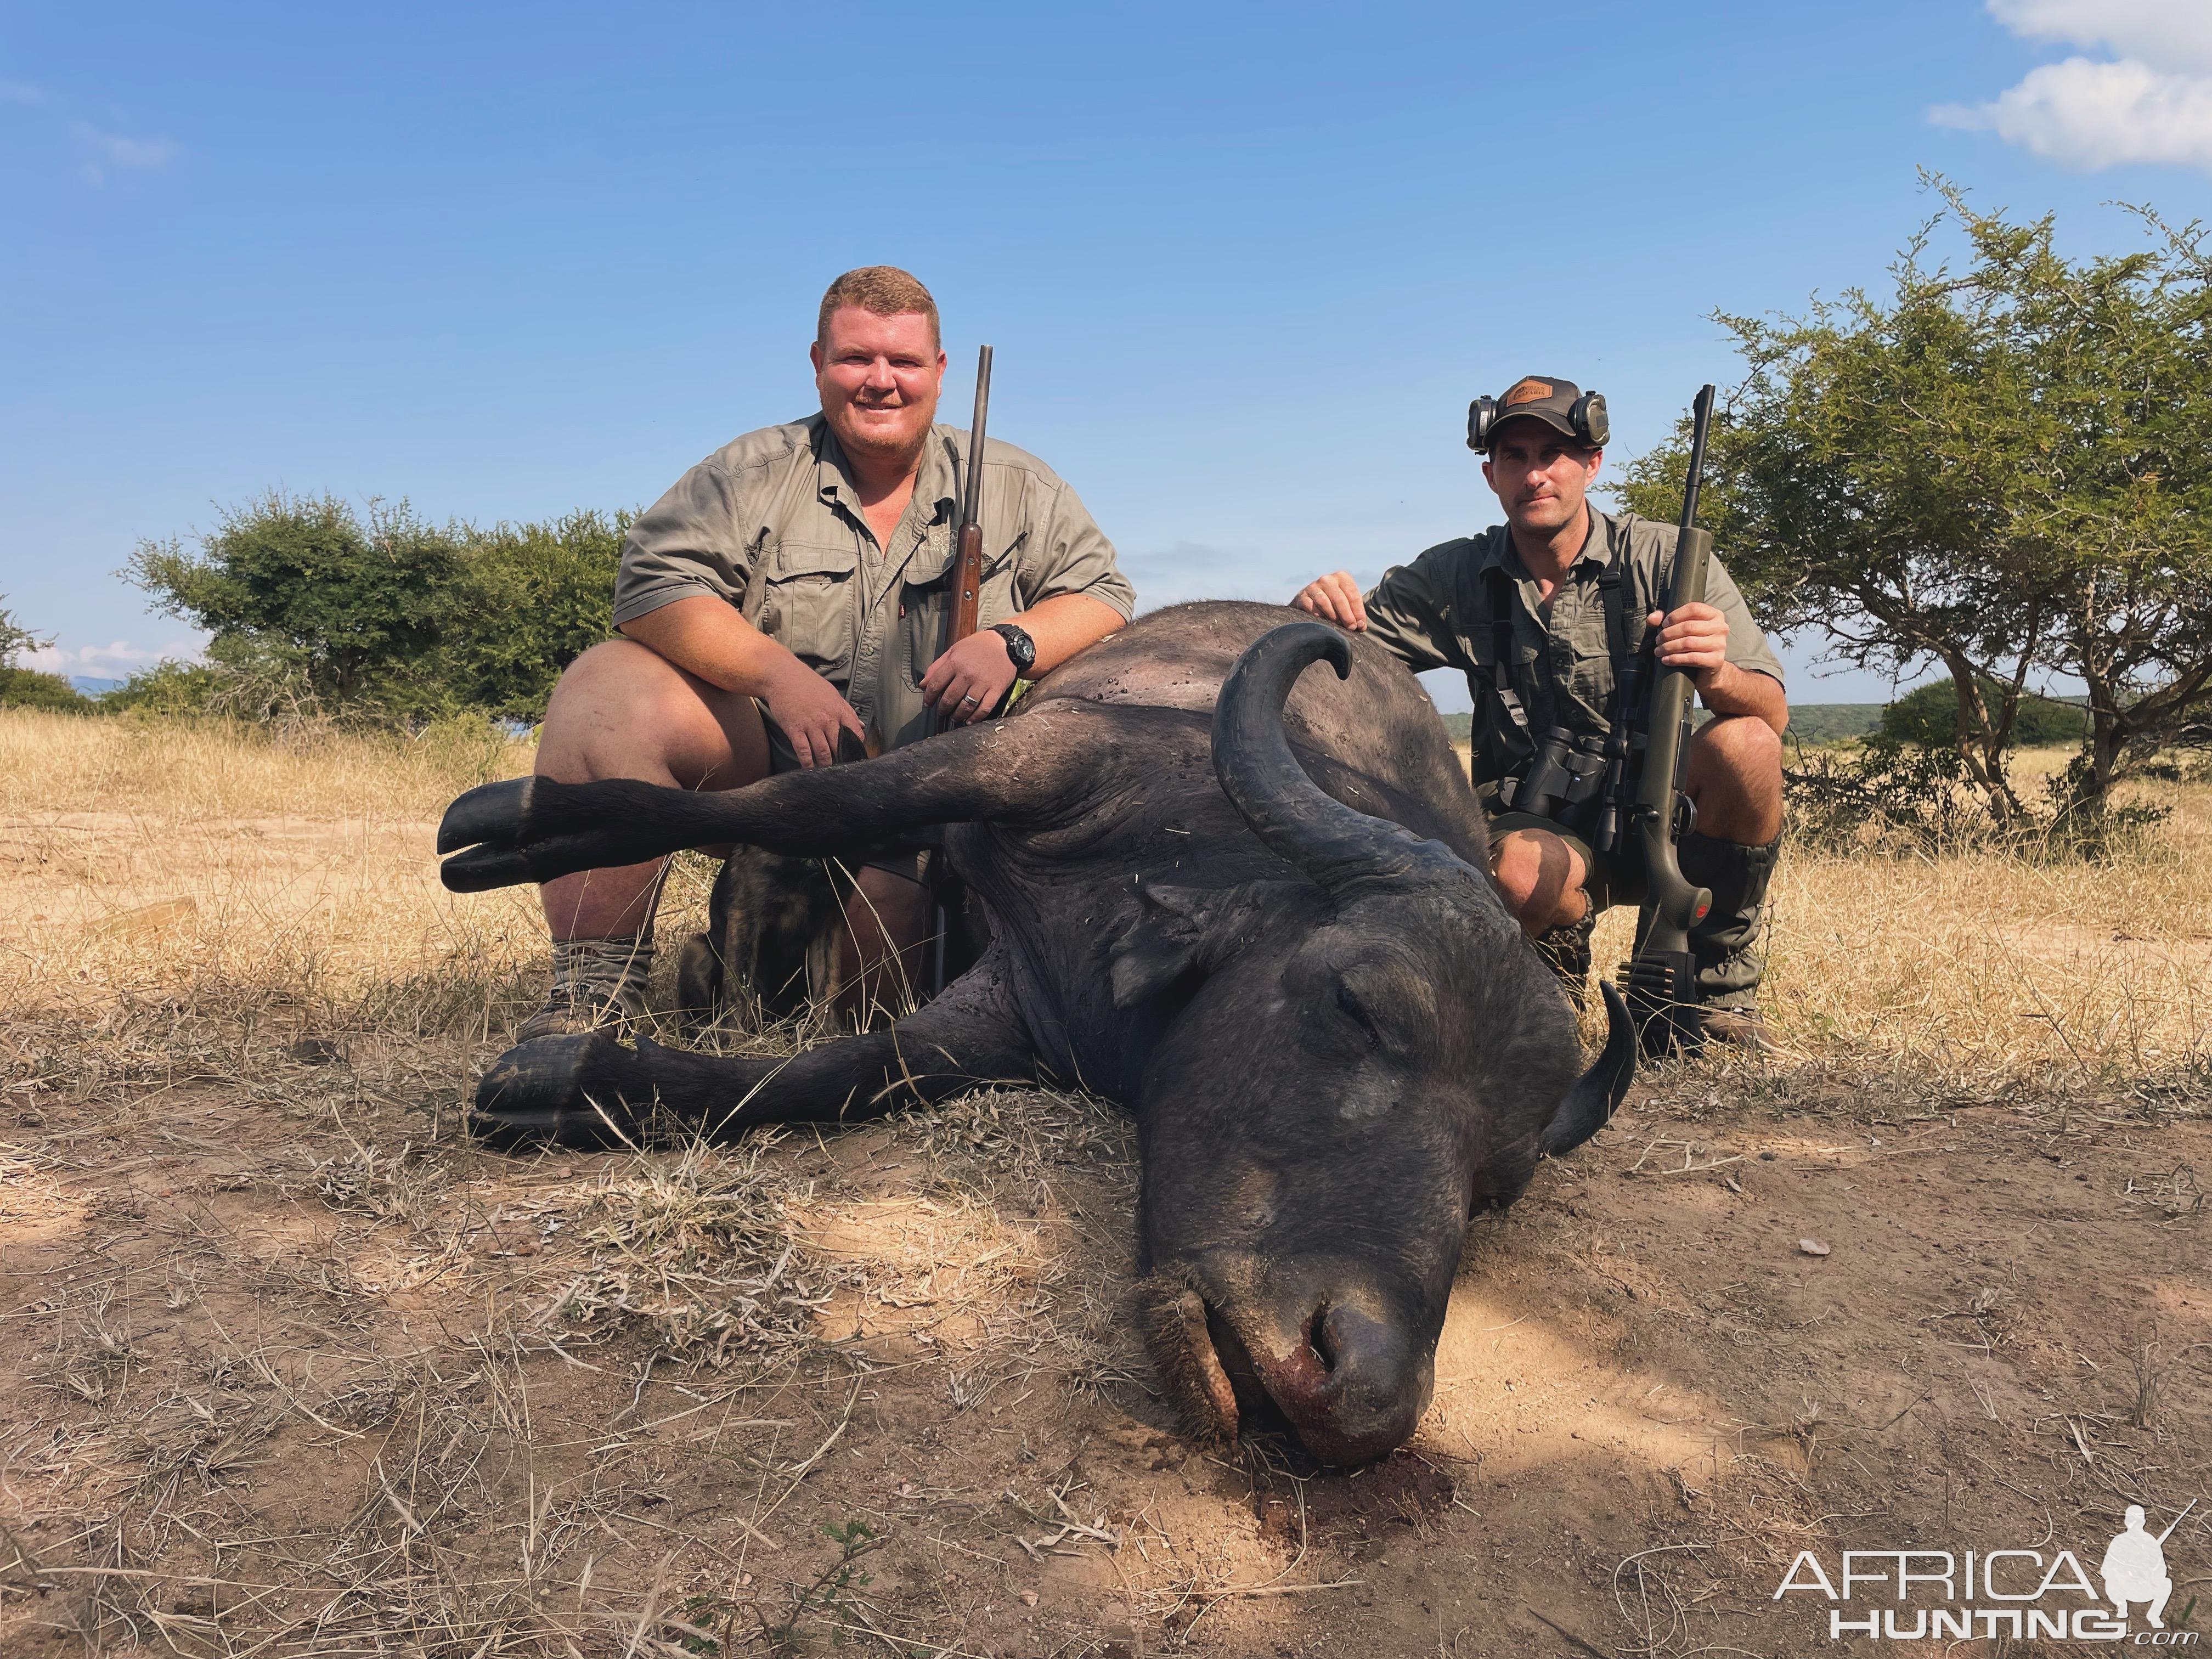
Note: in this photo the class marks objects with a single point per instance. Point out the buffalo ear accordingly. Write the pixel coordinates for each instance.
(1174, 931)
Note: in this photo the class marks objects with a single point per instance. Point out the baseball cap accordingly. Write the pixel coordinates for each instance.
(1560, 404)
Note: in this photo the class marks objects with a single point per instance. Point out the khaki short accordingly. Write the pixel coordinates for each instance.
(1612, 880)
(908, 864)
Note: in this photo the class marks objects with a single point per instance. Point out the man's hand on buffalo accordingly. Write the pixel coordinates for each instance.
(811, 712)
(966, 683)
(1334, 597)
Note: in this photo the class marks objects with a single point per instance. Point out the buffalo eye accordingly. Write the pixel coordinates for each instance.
(1349, 1004)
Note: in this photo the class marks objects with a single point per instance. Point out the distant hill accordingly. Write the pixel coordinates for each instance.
(92, 685)
(1834, 722)
(1809, 722)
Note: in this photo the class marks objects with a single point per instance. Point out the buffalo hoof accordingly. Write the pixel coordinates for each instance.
(542, 1092)
(489, 821)
(490, 811)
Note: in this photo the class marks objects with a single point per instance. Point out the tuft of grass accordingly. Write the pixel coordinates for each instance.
(699, 1247)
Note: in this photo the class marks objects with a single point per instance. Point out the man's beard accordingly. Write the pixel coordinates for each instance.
(882, 446)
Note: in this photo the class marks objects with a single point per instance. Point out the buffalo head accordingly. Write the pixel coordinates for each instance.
(1351, 1063)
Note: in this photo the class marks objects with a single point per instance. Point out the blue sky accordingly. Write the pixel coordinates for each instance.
(1243, 266)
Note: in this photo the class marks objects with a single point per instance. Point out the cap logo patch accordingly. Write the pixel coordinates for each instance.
(1528, 391)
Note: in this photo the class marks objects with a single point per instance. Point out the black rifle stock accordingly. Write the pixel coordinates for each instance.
(1661, 975)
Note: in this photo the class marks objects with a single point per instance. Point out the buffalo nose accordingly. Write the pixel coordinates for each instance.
(1356, 1387)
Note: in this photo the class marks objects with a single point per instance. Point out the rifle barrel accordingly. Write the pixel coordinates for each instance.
(971, 512)
(1702, 421)
(2176, 1522)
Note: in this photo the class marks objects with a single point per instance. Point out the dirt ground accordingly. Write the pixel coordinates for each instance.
(289, 1367)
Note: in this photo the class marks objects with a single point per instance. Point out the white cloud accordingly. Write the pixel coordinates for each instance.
(117, 151)
(116, 659)
(2171, 31)
(21, 92)
(2088, 114)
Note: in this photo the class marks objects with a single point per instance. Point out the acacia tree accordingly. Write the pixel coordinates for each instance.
(16, 639)
(30, 687)
(1987, 470)
(2122, 353)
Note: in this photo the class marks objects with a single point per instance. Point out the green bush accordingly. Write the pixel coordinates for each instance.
(350, 609)
(317, 611)
(1930, 717)
(27, 688)
(532, 598)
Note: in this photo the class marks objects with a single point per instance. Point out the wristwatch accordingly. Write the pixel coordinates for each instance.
(1020, 647)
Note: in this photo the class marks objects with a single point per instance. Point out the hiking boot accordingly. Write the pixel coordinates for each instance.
(598, 984)
(1728, 950)
(1565, 949)
(1729, 946)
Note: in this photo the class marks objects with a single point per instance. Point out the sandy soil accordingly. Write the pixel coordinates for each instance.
(310, 1394)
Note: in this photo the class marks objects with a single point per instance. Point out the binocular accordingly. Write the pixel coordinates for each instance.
(1567, 773)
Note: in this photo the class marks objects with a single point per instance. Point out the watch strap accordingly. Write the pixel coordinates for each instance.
(1020, 646)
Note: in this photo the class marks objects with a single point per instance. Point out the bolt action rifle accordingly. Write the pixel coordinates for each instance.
(1644, 806)
(967, 602)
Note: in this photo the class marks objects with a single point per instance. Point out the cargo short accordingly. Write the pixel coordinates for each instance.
(909, 861)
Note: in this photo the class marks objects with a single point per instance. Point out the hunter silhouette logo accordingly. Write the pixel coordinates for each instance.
(2135, 1567)
(1912, 1594)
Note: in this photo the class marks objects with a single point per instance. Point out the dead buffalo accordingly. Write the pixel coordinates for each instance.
(1258, 918)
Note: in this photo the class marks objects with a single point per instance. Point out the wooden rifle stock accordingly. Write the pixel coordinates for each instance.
(967, 567)
(960, 624)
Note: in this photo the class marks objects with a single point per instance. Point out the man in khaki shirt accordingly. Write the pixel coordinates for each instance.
(1542, 613)
(785, 604)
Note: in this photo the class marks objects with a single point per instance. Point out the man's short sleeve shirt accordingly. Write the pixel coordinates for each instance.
(1441, 611)
(772, 524)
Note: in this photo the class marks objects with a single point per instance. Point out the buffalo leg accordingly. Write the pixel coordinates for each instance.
(536, 829)
(770, 946)
(588, 1091)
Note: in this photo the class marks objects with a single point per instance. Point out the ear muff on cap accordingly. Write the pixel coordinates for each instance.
(1481, 416)
(1590, 419)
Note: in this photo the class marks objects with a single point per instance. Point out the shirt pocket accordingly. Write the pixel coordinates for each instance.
(807, 608)
(926, 605)
(1481, 648)
(1592, 676)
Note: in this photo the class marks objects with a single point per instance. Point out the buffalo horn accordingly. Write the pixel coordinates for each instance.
(1331, 843)
(1591, 1102)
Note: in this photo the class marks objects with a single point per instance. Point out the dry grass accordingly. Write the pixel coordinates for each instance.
(301, 1373)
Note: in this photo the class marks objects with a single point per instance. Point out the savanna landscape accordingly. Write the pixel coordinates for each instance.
(291, 1367)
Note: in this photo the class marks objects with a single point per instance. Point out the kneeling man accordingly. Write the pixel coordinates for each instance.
(785, 604)
(1543, 613)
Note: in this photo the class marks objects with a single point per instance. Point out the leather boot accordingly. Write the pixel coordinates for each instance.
(1729, 946)
(597, 983)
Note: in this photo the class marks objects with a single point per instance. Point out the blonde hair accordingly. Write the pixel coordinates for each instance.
(880, 290)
